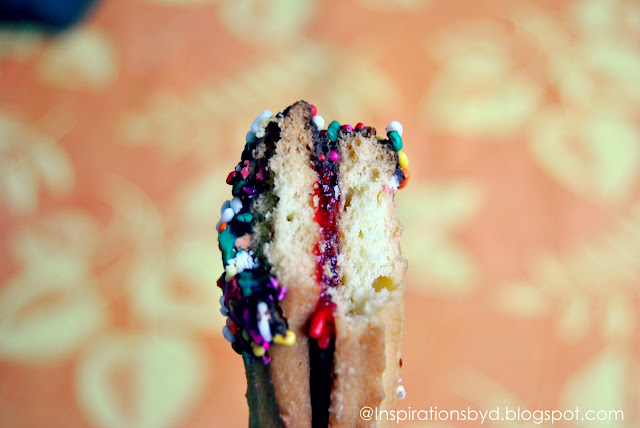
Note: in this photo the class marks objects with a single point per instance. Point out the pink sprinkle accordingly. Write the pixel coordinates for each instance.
(314, 110)
(347, 128)
(260, 174)
(322, 157)
(334, 156)
(244, 172)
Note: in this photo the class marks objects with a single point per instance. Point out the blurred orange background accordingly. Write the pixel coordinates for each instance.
(522, 217)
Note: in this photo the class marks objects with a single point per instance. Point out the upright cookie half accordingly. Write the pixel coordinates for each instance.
(314, 280)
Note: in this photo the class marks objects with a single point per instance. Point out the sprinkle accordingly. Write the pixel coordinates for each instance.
(396, 140)
(233, 327)
(231, 176)
(322, 157)
(394, 125)
(250, 137)
(263, 321)
(314, 110)
(224, 311)
(288, 340)
(334, 156)
(244, 217)
(260, 174)
(255, 126)
(258, 350)
(380, 137)
(400, 392)
(347, 128)
(249, 190)
(228, 334)
(219, 283)
(245, 335)
(319, 121)
(318, 322)
(231, 271)
(359, 126)
(244, 261)
(403, 159)
(407, 176)
(332, 130)
(325, 339)
(244, 172)
(227, 215)
(225, 205)
(236, 205)
(222, 226)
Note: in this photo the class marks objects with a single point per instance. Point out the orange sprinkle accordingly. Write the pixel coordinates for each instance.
(222, 226)
(407, 176)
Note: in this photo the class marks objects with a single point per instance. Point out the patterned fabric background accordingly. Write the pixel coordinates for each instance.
(522, 217)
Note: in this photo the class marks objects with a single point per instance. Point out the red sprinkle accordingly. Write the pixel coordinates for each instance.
(222, 226)
(232, 326)
(231, 175)
(318, 323)
(322, 157)
(334, 156)
(325, 339)
(219, 281)
(359, 126)
(347, 128)
(314, 110)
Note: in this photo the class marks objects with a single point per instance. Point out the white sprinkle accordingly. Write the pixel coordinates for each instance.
(400, 392)
(394, 183)
(225, 205)
(250, 137)
(221, 300)
(228, 335)
(263, 322)
(255, 126)
(227, 215)
(394, 125)
(236, 205)
(224, 311)
(319, 121)
(244, 260)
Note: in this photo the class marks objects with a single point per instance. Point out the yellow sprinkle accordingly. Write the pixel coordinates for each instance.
(288, 340)
(403, 159)
(379, 137)
(231, 272)
(258, 350)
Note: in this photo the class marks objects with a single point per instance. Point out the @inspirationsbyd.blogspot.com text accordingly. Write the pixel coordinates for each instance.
(506, 414)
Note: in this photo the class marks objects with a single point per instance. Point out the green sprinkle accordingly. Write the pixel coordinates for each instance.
(227, 242)
(396, 140)
(237, 188)
(244, 217)
(333, 129)
(246, 282)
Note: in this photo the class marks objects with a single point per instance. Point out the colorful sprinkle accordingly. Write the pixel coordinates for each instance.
(347, 128)
(244, 218)
(249, 190)
(236, 205)
(225, 205)
(314, 110)
(332, 130)
(228, 334)
(230, 271)
(407, 176)
(325, 339)
(396, 140)
(250, 137)
(231, 176)
(227, 215)
(322, 157)
(222, 226)
(288, 340)
(263, 322)
(233, 327)
(258, 350)
(359, 126)
(403, 159)
(255, 126)
(334, 156)
(319, 121)
(394, 125)
(318, 323)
